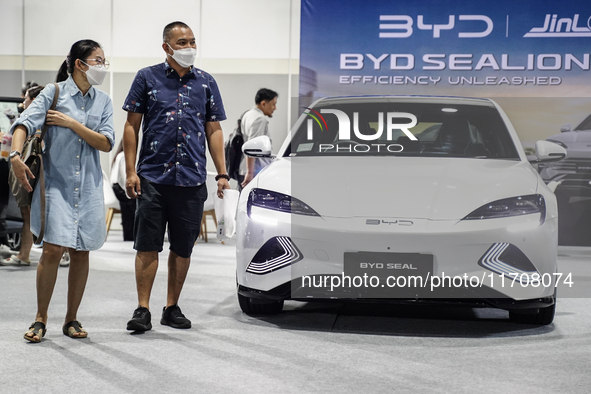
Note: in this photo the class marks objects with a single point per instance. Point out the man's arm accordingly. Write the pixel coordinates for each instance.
(130, 142)
(258, 128)
(215, 143)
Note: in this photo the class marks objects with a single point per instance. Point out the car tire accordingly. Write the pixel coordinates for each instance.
(260, 307)
(543, 317)
(14, 241)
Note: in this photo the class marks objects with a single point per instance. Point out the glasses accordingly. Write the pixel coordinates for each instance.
(102, 63)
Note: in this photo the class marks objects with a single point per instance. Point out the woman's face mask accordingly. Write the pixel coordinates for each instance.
(95, 74)
(185, 57)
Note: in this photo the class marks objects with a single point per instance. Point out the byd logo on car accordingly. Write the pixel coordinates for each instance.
(405, 24)
(399, 222)
(344, 131)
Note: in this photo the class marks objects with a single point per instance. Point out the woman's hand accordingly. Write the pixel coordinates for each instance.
(22, 172)
(56, 118)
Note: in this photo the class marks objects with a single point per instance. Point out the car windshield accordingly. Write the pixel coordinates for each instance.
(585, 125)
(403, 129)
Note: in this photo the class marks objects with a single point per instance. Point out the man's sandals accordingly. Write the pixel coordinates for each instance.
(38, 330)
(74, 330)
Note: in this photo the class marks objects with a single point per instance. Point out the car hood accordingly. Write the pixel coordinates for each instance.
(578, 142)
(399, 187)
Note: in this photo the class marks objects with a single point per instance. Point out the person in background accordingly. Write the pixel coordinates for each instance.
(28, 85)
(5, 250)
(127, 204)
(22, 200)
(79, 128)
(181, 108)
(254, 124)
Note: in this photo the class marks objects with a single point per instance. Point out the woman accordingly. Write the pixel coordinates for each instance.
(80, 127)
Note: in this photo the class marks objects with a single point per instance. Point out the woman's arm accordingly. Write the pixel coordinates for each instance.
(21, 171)
(93, 138)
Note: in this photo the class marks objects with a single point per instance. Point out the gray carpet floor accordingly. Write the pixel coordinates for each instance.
(309, 348)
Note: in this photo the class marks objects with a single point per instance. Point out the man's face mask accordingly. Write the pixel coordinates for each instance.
(185, 57)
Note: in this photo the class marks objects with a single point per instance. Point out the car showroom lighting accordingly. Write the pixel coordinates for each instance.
(514, 206)
(276, 201)
(508, 260)
(276, 253)
(449, 110)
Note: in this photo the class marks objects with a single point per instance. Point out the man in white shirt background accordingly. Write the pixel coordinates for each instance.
(255, 124)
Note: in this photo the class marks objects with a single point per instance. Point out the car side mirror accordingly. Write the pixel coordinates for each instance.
(565, 127)
(547, 151)
(257, 147)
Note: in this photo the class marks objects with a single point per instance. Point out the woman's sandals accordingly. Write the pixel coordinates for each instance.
(38, 330)
(74, 330)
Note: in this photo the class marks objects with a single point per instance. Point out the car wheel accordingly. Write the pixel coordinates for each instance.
(543, 317)
(14, 241)
(260, 307)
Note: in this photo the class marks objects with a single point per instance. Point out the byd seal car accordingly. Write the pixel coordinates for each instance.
(400, 199)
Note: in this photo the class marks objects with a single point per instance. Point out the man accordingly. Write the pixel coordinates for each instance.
(254, 124)
(181, 108)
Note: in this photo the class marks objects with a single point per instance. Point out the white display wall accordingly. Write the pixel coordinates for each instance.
(244, 44)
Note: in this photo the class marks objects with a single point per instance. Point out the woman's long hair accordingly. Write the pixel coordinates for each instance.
(80, 50)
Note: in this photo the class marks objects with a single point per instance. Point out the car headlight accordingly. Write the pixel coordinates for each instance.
(514, 206)
(278, 202)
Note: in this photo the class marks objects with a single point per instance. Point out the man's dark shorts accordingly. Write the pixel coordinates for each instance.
(180, 207)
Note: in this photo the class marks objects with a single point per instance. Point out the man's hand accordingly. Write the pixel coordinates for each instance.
(222, 184)
(22, 173)
(132, 186)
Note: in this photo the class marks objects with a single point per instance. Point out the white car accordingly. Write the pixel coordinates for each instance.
(403, 199)
(573, 173)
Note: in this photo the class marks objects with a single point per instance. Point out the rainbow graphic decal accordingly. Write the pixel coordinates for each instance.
(316, 119)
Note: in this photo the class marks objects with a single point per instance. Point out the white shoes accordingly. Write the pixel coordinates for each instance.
(6, 252)
(13, 260)
(8, 257)
(65, 261)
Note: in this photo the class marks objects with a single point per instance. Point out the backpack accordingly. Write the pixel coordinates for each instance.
(233, 150)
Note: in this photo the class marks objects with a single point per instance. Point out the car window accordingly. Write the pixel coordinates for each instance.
(403, 129)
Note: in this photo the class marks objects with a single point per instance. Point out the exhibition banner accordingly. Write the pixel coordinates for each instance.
(502, 48)
(531, 57)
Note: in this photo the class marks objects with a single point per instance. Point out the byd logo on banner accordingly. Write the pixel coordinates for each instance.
(405, 24)
(344, 131)
(401, 26)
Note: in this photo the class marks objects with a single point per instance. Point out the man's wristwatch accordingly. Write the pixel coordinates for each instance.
(225, 176)
(13, 154)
